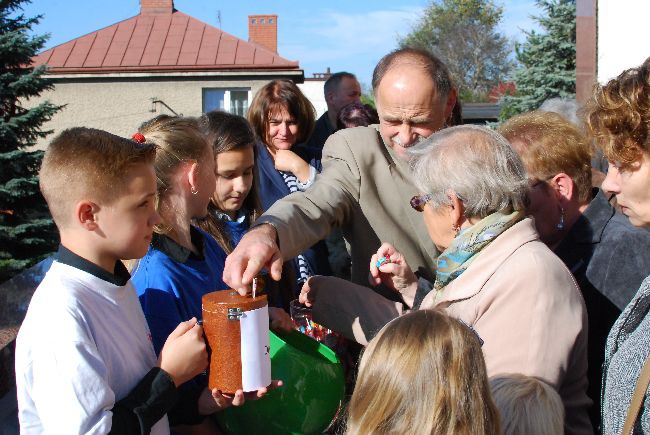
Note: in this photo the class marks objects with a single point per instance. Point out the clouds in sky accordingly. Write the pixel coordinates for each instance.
(356, 40)
(345, 41)
(339, 34)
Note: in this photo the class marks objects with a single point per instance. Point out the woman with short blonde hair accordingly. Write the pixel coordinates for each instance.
(424, 372)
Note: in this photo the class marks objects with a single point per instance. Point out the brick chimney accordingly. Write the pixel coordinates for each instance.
(156, 6)
(263, 30)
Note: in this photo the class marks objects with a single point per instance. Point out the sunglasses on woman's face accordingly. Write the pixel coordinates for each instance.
(418, 201)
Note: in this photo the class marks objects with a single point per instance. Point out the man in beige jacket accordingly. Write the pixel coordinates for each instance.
(365, 184)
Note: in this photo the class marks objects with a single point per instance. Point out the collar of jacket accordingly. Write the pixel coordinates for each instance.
(489, 261)
(590, 225)
(177, 252)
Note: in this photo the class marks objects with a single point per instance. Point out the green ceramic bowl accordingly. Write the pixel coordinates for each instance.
(313, 390)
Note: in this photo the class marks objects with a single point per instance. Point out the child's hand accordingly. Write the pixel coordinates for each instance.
(288, 161)
(184, 356)
(215, 400)
(280, 320)
(388, 267)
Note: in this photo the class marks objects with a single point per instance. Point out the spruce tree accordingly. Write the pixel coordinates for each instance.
(547, 59)
(27, 233)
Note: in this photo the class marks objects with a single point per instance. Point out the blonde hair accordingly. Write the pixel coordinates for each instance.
(178, 141)
(85, 163)
(618, 116)
(527, 405)
(551, 145)
(424, 372)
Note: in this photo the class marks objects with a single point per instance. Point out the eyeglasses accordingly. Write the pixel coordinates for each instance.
(418, 201)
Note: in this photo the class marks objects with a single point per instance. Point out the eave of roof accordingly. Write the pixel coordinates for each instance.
(163, 42)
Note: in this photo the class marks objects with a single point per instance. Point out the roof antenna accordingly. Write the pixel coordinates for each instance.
(219, 18)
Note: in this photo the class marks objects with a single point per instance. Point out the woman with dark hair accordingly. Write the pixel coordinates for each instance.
(281, 117)
(356, 115)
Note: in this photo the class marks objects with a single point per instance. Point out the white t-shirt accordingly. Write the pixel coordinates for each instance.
(84, 345)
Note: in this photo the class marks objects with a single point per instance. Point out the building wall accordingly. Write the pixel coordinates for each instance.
(313, 90)
(121, 106)
(623, 33)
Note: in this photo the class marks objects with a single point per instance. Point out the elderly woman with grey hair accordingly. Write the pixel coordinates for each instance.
(493, 272)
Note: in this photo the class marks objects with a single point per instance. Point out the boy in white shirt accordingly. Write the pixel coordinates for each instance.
(84, 358)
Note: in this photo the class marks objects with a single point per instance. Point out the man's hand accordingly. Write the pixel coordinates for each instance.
(184, 356)
(256, 250)
(212, 401)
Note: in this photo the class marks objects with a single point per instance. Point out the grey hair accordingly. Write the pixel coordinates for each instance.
(476, 164)
(567, 108)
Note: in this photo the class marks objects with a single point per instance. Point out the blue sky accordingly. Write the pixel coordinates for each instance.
(340, 34)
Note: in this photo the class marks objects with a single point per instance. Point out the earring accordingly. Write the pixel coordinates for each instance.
(194, 190)
(455, 228)
(560, 225)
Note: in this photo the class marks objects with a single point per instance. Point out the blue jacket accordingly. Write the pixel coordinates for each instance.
(271, 187)
(171, 281)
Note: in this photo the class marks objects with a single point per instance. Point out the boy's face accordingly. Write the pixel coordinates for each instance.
(127, 223)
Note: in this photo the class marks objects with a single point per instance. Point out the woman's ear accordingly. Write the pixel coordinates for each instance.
(192, 171)
(564, 187)
(457, 211)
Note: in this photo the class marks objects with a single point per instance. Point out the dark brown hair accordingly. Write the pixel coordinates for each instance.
(85, 163)
(356, 115)
(277, 95)
(334, 81)
(227, 132)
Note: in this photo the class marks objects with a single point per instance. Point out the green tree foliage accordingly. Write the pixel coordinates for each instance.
(463, 33)
(547, 59)
(27, 233)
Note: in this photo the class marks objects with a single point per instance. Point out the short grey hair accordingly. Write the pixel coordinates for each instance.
(566, 107)
(476, 164)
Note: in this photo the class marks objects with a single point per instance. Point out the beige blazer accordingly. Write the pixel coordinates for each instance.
(365, 189)
(517, 295)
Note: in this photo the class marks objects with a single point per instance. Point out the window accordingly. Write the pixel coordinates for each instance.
(233, 100)
(253, 21)
(261, 20)
(270, 20)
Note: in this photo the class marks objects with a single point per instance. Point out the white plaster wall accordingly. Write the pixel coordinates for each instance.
(623, 36)
(313, 89)
(120, 107)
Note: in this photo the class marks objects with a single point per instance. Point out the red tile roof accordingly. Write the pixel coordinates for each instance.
(169, 42)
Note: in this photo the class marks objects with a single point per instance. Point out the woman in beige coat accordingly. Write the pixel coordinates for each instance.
(494, 273)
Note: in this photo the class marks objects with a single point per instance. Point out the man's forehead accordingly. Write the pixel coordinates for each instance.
(348, 82)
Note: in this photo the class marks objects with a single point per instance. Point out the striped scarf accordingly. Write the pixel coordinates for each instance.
(303, 267)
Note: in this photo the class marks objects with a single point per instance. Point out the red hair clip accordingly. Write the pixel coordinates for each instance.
(138, 137)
